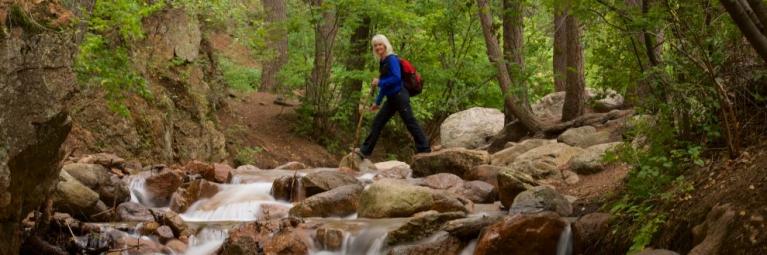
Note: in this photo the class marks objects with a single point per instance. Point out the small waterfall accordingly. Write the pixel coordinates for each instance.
(565, 245)
(469, 250)
(297, 194)
(137, 187)
(207, 241)
(242, 202)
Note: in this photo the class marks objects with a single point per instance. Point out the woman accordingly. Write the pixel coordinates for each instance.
(390, 85)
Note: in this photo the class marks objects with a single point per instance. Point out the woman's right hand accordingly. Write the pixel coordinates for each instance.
(374, 83)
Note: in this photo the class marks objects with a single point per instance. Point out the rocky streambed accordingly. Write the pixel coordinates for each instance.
(451, 201)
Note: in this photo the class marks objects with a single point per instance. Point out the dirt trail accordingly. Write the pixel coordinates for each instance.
(252, 120)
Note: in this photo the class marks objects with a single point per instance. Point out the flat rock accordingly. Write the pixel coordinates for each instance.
(456, 161)
(338, 202)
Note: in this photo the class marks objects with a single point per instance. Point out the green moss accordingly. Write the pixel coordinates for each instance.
(19, 17)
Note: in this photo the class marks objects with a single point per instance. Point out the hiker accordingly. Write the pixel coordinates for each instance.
(389, 84)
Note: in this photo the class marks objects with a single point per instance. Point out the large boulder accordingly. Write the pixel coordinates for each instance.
(507, 156)
(485, 173)
(441, 243)
(550, 106)
(288, 188)
(540, 199)
(338, 202)
(584, 137)
(470, 227)
(393, 169)
(161, 185)
(110, 188)
(222, 173)
(318, 182)
(36, 76)
(511, 183)
(522, 234)
(455, 161)
(396, 198)
(443, 181)
(190, 192)
(608, 101)
(546, 160)
(590, 162)
(78, 200)
(471, 128)
(588, 230)
(478, 191)
(420, 227)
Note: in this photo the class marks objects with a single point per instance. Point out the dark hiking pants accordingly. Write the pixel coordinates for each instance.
(399, 102)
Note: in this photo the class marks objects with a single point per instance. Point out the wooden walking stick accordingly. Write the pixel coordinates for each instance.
(361, 111)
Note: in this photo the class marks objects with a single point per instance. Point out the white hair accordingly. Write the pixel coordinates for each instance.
(379, 38)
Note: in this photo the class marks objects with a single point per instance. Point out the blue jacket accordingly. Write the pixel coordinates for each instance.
(390, 81)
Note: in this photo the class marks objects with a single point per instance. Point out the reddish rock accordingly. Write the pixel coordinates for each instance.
(165, 233)
(271, 237)
(522, 234)
(330, 239)
(479, 192)
(322, 181)
(190, 192)
(176, 246)
(485, 173)
(222, 173)
(443, 181)
(588, 230)
(161, 185)
(203, 169)
(441, 243)
(454, 160)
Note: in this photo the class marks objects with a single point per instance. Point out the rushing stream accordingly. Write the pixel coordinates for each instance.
(250, 191)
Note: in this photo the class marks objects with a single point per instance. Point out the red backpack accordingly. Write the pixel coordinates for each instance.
(411, 78)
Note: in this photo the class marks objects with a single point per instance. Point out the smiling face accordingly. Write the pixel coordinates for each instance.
(380, 49)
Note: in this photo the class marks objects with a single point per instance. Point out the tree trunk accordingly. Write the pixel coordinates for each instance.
(359, 42)
(747, 27)
(513, 49)
(575, 92)
(317, 91)
(513, 103)
(560, 48)
(513, 45)
(277, 40)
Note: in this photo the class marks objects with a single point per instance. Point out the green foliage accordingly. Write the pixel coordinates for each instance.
(107, 63)
(247, 155)
(238, 77)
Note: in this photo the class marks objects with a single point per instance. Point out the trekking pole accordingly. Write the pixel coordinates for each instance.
(361, 111)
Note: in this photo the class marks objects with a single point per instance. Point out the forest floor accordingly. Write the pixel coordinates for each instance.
(255, 124)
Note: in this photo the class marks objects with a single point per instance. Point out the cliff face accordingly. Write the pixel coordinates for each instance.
(35, 77)
(177, 123)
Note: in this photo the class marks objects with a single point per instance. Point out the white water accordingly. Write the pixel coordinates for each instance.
(469, 250)
(206, 242)
(138, 193)
(235, 202)
(565, 244)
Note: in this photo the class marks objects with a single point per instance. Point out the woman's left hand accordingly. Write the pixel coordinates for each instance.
(375, 82)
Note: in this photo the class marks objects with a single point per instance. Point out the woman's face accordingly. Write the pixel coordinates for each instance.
(379, 48)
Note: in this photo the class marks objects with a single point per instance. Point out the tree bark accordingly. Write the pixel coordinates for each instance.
(317, 91)
(760, 11)
(575, 92)
(277, 40)
(513, 45)
(513, 103)
(747, 27)
(359, 42)
(560, 48)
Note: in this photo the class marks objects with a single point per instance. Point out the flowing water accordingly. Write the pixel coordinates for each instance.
(249, 197)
